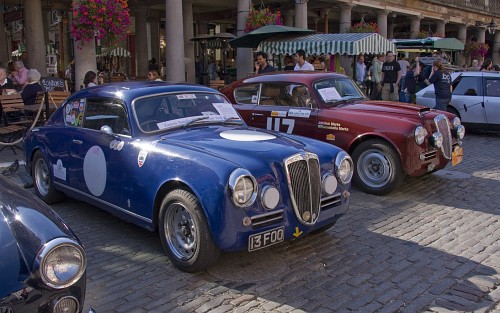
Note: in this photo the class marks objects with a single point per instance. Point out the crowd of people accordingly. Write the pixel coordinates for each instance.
(16, 78)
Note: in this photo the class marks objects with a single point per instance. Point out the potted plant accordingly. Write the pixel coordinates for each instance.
(107, 20)
(476, 50)
(261, 17)
(363, 27)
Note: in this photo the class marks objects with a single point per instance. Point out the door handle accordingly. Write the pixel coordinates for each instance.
(257, 114)
(78, 142)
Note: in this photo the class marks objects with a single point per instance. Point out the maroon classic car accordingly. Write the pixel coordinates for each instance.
(387, 140)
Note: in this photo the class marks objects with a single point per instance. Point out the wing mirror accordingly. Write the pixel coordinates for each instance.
(107, 130)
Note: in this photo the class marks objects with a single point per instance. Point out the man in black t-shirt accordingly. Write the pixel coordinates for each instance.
(391, 75)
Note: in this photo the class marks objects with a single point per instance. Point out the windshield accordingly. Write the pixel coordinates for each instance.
(337, 90)
(168, 111)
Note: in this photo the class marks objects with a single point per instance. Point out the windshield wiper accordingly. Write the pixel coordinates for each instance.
(195, 119)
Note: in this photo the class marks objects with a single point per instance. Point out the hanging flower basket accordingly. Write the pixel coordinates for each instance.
(363, 27)
(476, 50)
(107, 20)
(261, 17)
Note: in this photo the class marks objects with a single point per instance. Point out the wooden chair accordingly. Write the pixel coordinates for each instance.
(56, 98)
(117, 78)
(13, 110)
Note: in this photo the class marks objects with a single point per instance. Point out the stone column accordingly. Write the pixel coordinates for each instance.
(174, 35)
(154, 26)
(316, 20)
(289, 16)
(244, 60)
(187, 13)
(345, 18)
(496, 48)
(85, 60)
(4, 50)
(382, 22)
(414, 26)
(390, 31)
(440, 28)
(301, 13)
(481, 34)
(325, 16)
(462, 36)
(34, 35)
(141, 43)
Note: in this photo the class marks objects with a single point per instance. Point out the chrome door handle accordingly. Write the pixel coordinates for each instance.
(257, 114)
(78, 142)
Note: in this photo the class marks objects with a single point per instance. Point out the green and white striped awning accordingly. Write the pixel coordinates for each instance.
(16, 53)
(116, 52)
(345, 43)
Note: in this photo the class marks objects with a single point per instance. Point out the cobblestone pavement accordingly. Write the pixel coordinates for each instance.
(431, 246)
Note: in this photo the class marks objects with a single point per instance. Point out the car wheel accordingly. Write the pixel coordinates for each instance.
(184, 232)
(42, 180)
(378, 169)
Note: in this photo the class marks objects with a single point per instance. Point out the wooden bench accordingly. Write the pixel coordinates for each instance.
(9, 134)
(13, 110)
(217, 84)
(56, 98)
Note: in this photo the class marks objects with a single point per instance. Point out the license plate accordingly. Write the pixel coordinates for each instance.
(457, 157)
(266, 239)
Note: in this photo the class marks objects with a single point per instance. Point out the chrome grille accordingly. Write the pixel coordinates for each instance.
(304, 183)
(443, 126)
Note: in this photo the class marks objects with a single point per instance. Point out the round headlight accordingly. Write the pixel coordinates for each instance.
(62, 262)
(460, 132)
(243, 187)
(420, 134)
(437, 139)
(344, 167)
(329, 184)
(270, 197)
(456, 122)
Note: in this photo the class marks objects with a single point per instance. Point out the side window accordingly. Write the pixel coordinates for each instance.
(73, 112)
(467, 86)
(247, 94)
(109, 112)
(300, 97)
(493, 87)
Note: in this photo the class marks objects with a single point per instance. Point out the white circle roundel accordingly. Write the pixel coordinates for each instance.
(94, 170)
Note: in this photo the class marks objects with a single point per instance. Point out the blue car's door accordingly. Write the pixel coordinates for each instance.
(98, 161)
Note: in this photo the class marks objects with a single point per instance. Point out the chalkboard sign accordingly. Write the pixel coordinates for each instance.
(53, 84)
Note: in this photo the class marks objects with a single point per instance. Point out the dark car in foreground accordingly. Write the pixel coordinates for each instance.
(387, 140)
(179, 159)
(42, 262)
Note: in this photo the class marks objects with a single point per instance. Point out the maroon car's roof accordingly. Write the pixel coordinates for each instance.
(292, 76)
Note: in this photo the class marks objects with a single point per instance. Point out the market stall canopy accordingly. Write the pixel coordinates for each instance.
(429, 43)
(116, 52)
(253, 38)
(345, 43)
(16, 53)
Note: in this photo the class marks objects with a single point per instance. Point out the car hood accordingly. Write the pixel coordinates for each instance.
(26, 224)
(242, 146)
(386, 108)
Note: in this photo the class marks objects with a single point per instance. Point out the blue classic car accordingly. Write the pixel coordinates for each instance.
(42, 262)
(178, 158)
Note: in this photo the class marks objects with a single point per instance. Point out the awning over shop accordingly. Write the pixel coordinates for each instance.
(345, 43)
(116, 52)
(429, 43)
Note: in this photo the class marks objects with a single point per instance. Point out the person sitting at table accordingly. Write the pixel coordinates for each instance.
(32, 88)
(5, 82)
(20, 75)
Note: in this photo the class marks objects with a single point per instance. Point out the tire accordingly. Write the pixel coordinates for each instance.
(43, 181)
(377, 169)
(184, 232)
